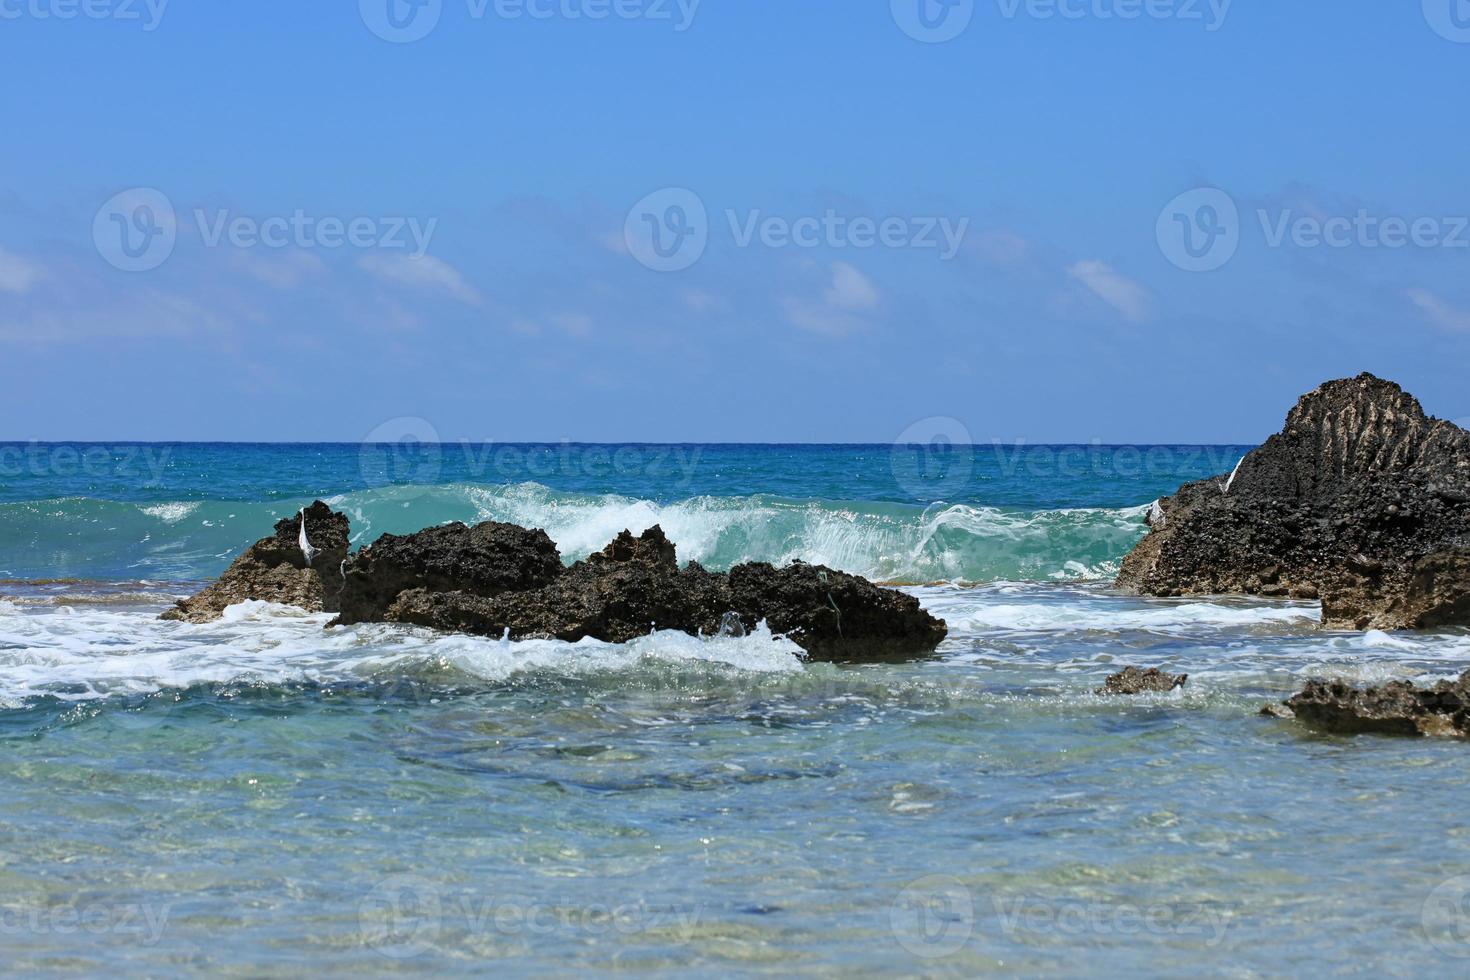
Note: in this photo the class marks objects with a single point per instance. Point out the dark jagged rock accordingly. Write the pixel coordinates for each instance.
(1396, 708)
(485, 560)
(1362, 500)
(500, 579)
(275, 569)
(1132, 680)
(635, 586)
(833, 615)
(626, 591)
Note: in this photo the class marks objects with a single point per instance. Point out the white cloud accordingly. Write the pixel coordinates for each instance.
(283, 271)
(572, 324)
(615, 242)
(702, 301)
(17, 274)
(1001, 248)
(1438, 312)
(146, 313)
(842, 306)
(1121, 293)
(423, 272)
(850, 289)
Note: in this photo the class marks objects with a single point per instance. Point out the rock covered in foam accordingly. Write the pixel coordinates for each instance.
(276, 569)
(1362, 500)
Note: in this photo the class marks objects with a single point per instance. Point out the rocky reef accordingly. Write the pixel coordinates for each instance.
(636, 585)
(1362, 500)
(279, 569)
(1396, 708)
(499, 580)
(1132, 680)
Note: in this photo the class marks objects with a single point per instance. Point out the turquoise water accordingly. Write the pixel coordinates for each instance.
(262, 796)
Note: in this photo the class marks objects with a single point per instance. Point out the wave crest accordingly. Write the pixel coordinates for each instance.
(888, 542)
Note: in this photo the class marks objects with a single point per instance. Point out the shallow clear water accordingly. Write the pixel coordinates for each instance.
(263, 796)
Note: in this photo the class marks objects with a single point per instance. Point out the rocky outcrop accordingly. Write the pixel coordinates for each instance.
(277, 569)
(630, 588)
(834, 616)
(1362, 500)
(503, 580)
(485, 560)
(1397, 708)
(1132, 680)
(635, 586)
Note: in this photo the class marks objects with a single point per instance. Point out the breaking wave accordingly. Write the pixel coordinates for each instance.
(891, 542)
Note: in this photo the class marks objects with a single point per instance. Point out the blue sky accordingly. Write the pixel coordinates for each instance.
(1049, 141)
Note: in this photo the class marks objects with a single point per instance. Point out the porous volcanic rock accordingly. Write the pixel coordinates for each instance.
(1396, 708)
(635, 586)
(1362, 500)
(275, 569)
(1132, 680)
(485, 560)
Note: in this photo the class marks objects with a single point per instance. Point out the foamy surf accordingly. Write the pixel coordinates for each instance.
(83, 653)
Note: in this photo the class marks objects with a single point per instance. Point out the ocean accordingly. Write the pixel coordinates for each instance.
(262, 796)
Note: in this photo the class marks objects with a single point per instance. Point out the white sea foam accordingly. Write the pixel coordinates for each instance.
(1028, 608)
(81, 654)
(171, 513)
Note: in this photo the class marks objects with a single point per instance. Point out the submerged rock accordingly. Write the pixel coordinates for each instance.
(1362, 500)
(1396, 708)
(485, 560)
(278, 569)
(1132, 680)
